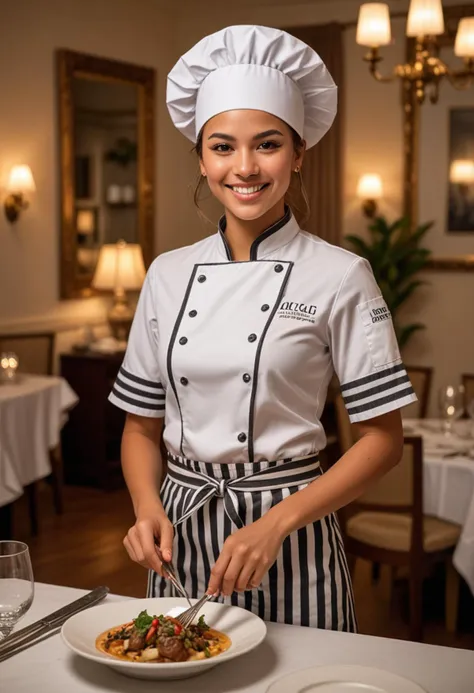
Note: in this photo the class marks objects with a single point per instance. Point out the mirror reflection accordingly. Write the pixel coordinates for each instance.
(105, 165)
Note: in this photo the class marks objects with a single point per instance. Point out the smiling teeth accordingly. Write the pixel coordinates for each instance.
(247, 191)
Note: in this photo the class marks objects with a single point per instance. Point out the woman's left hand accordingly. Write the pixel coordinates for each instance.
(245, 558)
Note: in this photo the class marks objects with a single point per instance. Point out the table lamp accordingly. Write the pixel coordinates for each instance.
(120, 267)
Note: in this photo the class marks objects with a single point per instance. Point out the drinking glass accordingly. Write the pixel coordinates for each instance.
(16, 584)
(451, 406)
(8, 365)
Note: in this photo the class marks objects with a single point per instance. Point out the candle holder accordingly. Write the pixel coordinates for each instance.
(8, 366)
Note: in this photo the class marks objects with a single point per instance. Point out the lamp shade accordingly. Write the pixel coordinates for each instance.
(370, 187)
(120, 266)
(425, 18)
(373, 26)
(21, 180)
(462, 171)
(464, 44)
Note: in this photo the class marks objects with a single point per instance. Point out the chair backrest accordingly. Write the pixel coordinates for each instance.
(400, 490)
(421, 378)
(345, 431)
(468, 383)
(35, 351)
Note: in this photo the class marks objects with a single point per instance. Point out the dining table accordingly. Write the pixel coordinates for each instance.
(33, 409)
(448, 482)
(51, 666)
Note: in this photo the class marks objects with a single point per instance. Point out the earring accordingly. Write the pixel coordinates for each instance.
(297, 169)
(203, 175)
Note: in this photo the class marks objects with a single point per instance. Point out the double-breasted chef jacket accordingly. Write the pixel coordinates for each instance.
(238, 356)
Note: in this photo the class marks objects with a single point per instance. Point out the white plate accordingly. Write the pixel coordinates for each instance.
(246, 631)
(343, 678)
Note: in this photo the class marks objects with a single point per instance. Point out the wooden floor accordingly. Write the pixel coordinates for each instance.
(83, 548)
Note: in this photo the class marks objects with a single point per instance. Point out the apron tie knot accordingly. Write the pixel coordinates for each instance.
(201, 487)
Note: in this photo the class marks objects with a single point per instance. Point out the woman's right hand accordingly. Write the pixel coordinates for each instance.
(151, 524)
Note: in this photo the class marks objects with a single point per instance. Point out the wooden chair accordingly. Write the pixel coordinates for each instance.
(387, 526)
(35, 354)
(421, 378)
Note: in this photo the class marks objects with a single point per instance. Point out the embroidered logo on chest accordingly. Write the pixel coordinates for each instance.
(291, 310)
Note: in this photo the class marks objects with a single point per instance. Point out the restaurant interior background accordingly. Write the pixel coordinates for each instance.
(41, 250)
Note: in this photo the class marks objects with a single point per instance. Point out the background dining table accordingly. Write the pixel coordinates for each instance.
(33, 409)
(52, 667)
(448, 483)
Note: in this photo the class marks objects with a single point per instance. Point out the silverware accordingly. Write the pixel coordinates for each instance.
(21, 646)
(173, 576)
(188, 616)
(48, 625)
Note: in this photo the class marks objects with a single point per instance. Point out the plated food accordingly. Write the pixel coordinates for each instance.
(162, 639)
(236, 631)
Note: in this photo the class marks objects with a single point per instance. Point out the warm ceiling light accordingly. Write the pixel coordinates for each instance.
(373, 26)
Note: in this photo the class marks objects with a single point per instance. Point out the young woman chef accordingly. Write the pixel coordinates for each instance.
(234, 342)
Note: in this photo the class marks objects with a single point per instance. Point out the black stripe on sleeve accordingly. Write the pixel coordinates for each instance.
(373, 377)
(140, 381)
(140, 393)
(377, 390)
(136, 403)
(374, 404)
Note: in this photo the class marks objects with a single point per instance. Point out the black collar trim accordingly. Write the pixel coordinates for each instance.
(263, 236)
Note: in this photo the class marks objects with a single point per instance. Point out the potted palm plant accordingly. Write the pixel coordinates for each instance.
(395, 254)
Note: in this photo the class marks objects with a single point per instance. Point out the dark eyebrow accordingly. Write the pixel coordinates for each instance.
(229, 138)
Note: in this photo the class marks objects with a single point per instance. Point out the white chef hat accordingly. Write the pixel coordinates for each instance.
(252, 67)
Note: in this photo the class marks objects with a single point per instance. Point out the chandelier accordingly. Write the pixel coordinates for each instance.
(426, 71)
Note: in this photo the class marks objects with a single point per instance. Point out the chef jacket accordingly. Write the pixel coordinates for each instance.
(238, 356)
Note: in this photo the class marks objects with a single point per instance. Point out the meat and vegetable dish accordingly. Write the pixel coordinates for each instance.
(162, 639)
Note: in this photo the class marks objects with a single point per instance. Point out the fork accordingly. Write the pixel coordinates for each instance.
(188, 616)
(173, 576)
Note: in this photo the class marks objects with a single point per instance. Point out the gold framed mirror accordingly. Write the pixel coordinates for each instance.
(107, 161)
(430, 131)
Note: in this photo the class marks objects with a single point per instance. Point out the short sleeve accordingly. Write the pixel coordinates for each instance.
(364, 348)
(138, 388)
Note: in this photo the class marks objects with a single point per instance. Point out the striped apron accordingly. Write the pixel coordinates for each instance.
(309, 583)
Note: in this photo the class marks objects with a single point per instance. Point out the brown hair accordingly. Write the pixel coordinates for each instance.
(296, 196)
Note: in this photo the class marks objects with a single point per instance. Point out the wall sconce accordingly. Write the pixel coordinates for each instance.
(461, 172)
(20, 182)
(369, 189)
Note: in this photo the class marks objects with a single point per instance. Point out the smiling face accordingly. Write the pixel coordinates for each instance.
(248, 157)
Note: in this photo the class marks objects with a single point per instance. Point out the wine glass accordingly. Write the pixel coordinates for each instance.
(451, 406)
(16, 584)
(8, 365)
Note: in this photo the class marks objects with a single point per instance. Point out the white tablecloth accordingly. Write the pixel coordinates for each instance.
(32, 411)
(50, 666)
(448, 484)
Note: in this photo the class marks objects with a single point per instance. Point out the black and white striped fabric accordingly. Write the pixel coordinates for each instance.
(309, 584)
(367, 396)
(143, 395)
